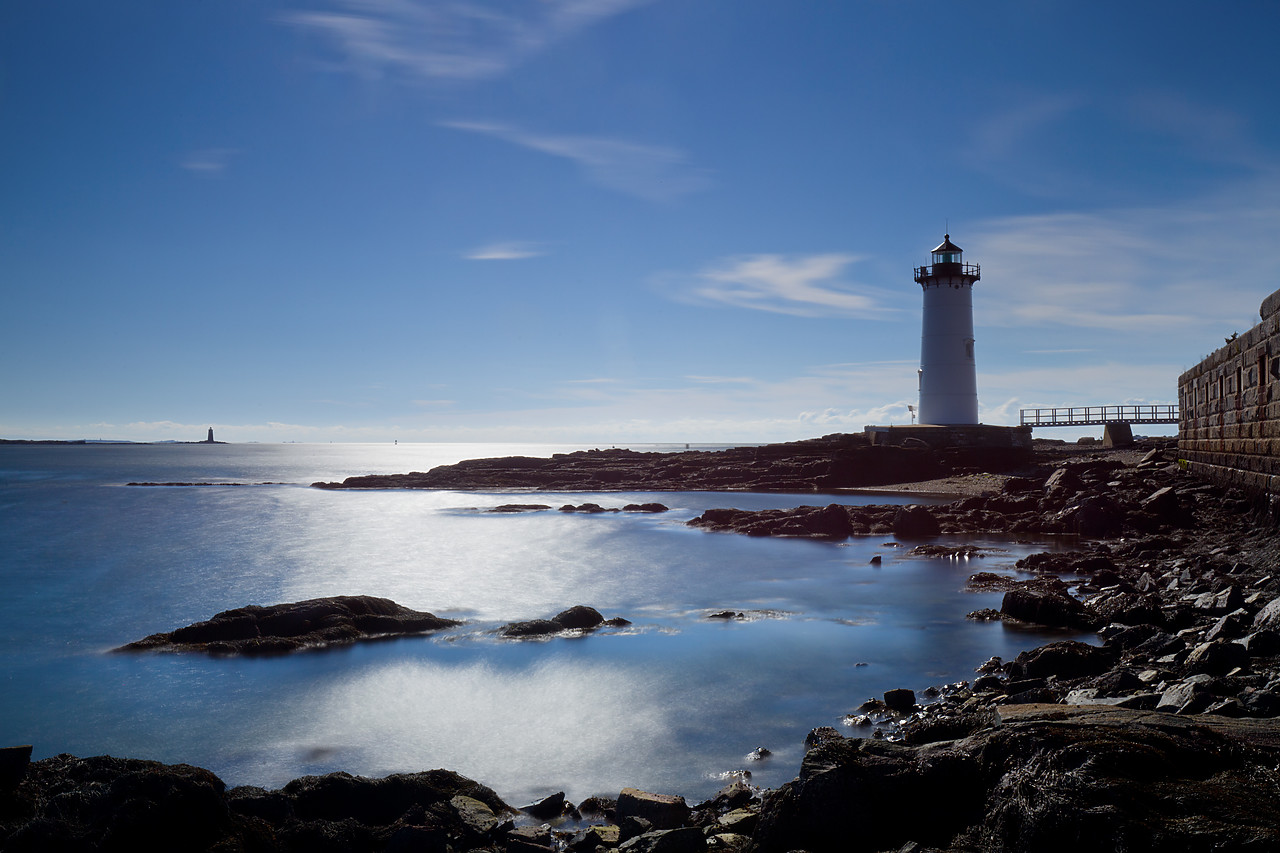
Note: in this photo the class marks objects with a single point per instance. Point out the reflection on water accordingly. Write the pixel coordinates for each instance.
(671, 704)
(558, 722)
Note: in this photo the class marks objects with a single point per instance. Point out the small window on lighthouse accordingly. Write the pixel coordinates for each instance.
(968, 348)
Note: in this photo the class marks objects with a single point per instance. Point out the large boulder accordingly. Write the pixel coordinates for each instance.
(1049, 607)
(915, 522)
(1094, 517)
(578, 617)
(1066, 659)
(867, 795)
(663, 811)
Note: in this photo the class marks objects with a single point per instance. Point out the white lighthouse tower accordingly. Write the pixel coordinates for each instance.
(948, 372)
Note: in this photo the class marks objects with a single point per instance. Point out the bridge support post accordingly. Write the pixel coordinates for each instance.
(1117, 435)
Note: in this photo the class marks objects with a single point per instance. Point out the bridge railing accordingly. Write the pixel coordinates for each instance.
(1099, 415)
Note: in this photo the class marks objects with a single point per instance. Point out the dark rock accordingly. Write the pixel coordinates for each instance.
(602, 806)
(1127, 636)
(315, 623)
(1126, 608)
(588, 839)
(1190, 696)
(821, 735)
(1045, 607)
(1043, 779)
(547, 808)
(631, 826)
(513, 508)
(682, 840)
(732, 796)
(531, 628)
(578, 617)
(877, 787)
(901, 699)
(1268, 618)
(1217, 658)
(915, 522)
(646, 507)
(661, 810)
(1064, 659)
(1021, 485)
(1231, 626)
(727, 614)
(1034, 696)
(1062, 484)
(1265, 643)
(588, 508)
(14, 761)
(1094, 517)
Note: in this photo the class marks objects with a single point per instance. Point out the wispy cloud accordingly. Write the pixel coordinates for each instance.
(1003, 145)
(651, 172)
(1158, 272)
(457, 40)
(802, 286)
(209, 161)
(512, 251)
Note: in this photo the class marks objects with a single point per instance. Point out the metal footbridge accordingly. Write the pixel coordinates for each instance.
(1098, 415)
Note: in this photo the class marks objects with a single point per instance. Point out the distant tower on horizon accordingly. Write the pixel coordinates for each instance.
(210, 438)
(948, 371)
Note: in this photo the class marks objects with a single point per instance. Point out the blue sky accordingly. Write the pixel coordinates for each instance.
(608, 221)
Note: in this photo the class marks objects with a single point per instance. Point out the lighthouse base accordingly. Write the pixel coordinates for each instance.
(972, 436)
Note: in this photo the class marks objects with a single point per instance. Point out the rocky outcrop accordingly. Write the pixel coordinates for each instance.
(820, 464)
(1044, 778)
(117, 804)
(578, 618)
(282, 628)
(1091, 498)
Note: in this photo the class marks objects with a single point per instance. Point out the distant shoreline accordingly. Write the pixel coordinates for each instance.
(87, 441)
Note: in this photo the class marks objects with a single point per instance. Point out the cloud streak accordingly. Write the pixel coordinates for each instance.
(460, 40)
(651, 172)
(209, 161)
(801, 286)
(511, 251)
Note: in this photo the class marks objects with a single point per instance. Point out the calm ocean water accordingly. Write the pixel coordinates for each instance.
(88, 563)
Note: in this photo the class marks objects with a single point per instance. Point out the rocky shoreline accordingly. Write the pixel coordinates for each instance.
(1163, 737)
(830, 463)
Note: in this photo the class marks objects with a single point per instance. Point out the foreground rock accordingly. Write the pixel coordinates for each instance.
(1043, 778)
(105, 803)
(282, 628)
(831, 462)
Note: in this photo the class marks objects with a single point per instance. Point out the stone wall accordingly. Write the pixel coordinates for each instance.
(1229, 409)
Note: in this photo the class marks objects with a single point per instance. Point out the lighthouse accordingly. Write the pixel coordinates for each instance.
(948, 372)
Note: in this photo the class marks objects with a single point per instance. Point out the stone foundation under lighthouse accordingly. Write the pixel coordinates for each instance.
(948, 369)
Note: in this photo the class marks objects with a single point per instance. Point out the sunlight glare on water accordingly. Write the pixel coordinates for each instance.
(670, 703)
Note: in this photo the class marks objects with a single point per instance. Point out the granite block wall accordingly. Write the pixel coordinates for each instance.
(1229, 409)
